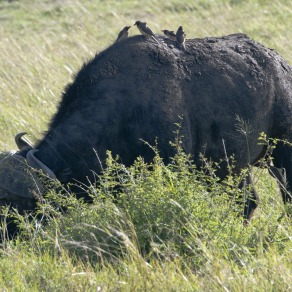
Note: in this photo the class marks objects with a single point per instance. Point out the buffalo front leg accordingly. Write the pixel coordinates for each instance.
(250, 197)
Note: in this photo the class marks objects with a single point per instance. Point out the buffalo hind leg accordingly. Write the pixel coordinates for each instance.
(280, 175)
(282, 170)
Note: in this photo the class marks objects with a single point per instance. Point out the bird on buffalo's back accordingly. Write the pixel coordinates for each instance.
(145, 29)
(180, 37)
(170, 34)
(123, 34)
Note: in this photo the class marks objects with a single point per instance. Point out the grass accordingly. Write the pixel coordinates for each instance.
(170, 230)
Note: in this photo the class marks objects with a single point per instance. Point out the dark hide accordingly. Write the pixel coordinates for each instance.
(138, 89)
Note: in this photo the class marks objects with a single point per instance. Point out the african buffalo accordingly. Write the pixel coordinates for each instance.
(138, 90)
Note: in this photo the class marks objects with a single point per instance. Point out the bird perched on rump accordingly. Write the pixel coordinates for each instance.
(180, 37)
(123, 34)
(170, 34)
(145, 29)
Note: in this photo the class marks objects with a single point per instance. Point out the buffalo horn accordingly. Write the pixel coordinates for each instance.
(21, 142)
(37, 164)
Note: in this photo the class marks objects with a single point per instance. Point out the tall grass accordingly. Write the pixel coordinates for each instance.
(151, 227)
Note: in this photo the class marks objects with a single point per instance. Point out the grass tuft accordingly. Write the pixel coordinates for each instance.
(153, 226)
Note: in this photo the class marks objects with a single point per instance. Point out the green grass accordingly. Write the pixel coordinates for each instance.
(172, 228)
(169, 230)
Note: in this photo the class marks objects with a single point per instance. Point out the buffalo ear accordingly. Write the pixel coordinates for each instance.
(22, 142)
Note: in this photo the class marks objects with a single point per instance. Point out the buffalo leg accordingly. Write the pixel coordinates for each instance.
(282, 170)
(250, 197)
(280, 175)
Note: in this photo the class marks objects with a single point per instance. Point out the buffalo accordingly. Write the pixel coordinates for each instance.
(138, 90)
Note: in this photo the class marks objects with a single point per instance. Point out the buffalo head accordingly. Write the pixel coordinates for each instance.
(21, 183)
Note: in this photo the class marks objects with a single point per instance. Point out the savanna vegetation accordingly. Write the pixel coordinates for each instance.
(170, 227)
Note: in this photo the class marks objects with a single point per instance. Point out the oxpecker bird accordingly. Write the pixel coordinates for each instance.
(180, 37)
(123, 34)
(170, 34)
(145, 29)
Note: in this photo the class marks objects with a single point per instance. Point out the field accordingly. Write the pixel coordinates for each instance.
(179, 231)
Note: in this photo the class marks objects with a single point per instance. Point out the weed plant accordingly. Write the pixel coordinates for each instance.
(149, 218)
